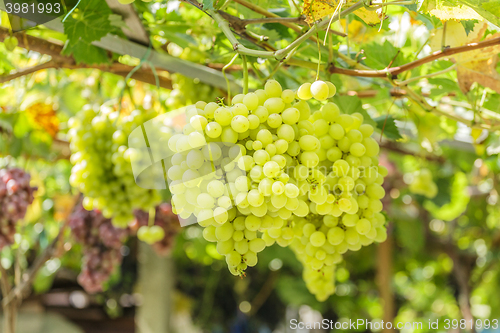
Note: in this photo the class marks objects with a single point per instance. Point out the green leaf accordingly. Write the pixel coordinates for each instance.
(91, 24)
(350, 105)
(468, 25)
(117, 21)
(390, 130)
(85, 53)
(208, 4)
(380, 56)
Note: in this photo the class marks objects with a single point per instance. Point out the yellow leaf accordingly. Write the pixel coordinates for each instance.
(457, 12)
(44, 116)
(473, 66)
(315, 10)
(370, 17)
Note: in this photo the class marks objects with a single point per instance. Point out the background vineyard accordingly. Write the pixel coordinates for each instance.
(424, 75)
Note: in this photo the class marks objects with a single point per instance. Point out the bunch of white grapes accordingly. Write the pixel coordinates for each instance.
(101, 163)
(266, 169)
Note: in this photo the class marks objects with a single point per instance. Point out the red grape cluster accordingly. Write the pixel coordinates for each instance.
(101, 243)
(165, 219)
(15, 197)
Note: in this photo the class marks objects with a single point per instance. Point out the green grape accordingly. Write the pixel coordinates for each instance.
(255, 198)
(336, 235)
(271, 169)
(212, 130)
(288, 96)
(274, 105)
(272, 88)
(317, 238)
(240, 109)
(331, 89)
(286, 133)
(240, 124)
(304, 92)
(309, 143)
(223, 116)
(251, 101)
(363, 226)
(274, 120)
(320, 90)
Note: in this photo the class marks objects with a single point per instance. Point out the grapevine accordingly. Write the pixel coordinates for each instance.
(269, 169)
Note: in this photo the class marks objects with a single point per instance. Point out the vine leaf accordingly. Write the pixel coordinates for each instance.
(468, 25)
(86, 53)
(91, 24)
(208, 4)
(370, 17)
(490, 10)
(317, 9)
(93, 21)
(352, 104)
(473, 66)
(448, 10)
(388, 126)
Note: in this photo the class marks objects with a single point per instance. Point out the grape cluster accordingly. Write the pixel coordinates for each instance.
(101, 242)
(165, 221)
(267, 169)
(16, 195)
(102, 170)
(423, 184)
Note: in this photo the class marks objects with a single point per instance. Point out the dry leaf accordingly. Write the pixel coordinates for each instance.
(44, 116)
(315, 10)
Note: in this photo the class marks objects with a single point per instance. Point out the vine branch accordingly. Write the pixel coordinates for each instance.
(281, 53)
(394, 71)
(59, 61)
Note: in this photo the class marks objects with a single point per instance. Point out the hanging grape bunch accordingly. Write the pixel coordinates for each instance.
(16, 195)
(269, 169)
(101, 242)
(101, 159)
(161, 235)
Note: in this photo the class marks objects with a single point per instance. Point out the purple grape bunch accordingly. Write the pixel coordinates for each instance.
(101, 242)
(16, 195)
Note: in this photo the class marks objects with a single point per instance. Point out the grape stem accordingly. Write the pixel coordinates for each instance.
(245, 73)
(279, 54)
(227, 80)
(418, 78)
(426, 106)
